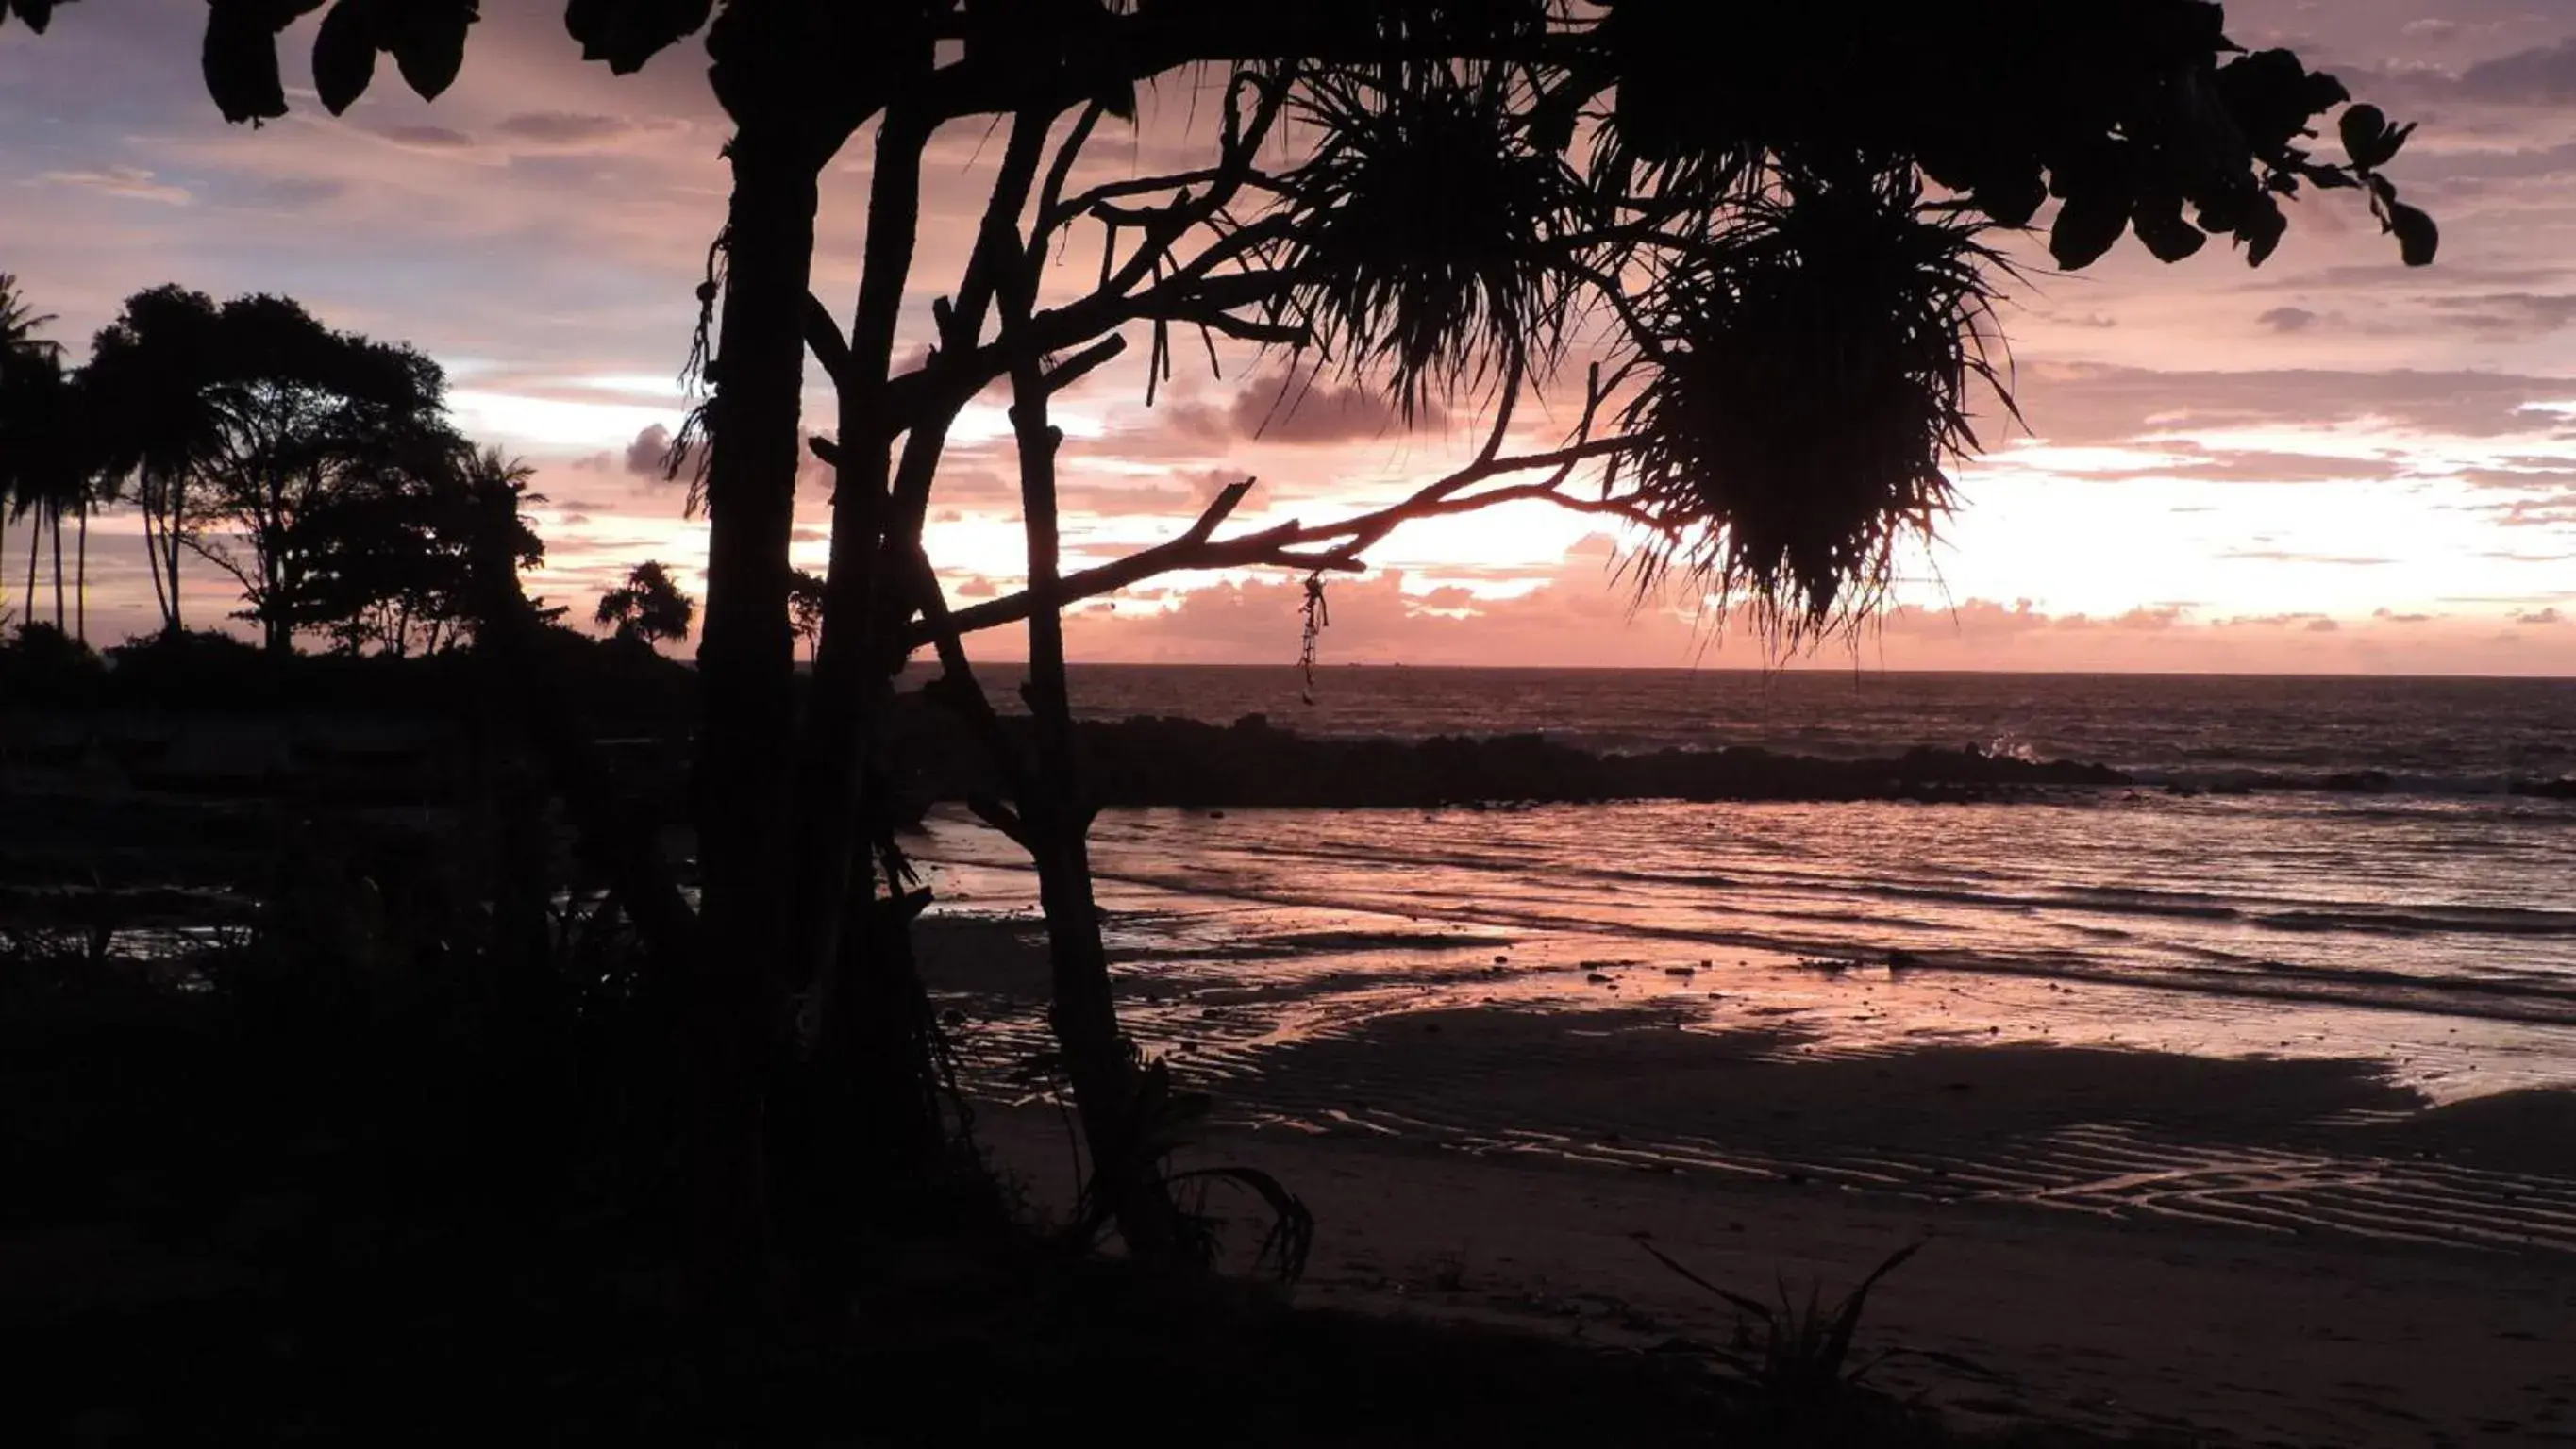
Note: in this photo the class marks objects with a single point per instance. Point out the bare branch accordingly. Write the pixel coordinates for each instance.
(1336, 545)
(823, 335)
(1097, 202)
(1065, 374)
(1051, 195)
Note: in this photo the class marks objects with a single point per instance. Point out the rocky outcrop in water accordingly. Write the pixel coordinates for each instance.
(1179, 762)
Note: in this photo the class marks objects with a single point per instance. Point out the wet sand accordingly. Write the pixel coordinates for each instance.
(2255, 1251)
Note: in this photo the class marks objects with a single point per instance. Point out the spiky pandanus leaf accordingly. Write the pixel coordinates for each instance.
(1807, 378)
(1427, 231)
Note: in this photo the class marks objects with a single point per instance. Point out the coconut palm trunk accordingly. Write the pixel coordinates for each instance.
(80, 589)
(170, 536)
(54, 525)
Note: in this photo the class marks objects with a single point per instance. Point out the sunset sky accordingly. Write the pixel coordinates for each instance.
(2329, 464)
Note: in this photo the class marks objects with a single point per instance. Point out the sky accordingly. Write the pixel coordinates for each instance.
(2328, 464)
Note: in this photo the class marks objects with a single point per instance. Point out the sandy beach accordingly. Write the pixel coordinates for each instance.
(2186, 1247)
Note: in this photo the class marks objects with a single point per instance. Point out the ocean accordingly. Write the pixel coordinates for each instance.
(2244, 899)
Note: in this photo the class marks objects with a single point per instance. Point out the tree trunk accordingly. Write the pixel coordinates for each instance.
(80, 590)
(1102, 1062)
(869, 1077)
(276, 635)
(176, 496)
(746, 661)
(152, 552)
(54, 518)
(35, 536)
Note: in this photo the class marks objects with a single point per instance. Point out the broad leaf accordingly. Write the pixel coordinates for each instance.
(2012, 200)
(2360, 128)
(2262, 229)
(2086, 227)
(240, 55)
(2417, 238)
(37, 13)
(627, 33)
(2158, 221)
(240, 61)
(344, 54)
(2369, 139)
(429, 43)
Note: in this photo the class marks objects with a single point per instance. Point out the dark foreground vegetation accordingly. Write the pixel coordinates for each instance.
(386, 1153)
(363, 1174)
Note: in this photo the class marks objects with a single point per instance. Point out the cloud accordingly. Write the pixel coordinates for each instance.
(2156, 458)
(649, 456)
(427, 138)
(2274, 555)
(2288, 319)
(1577, 614)
(2091, 403)
(2549, 615)
(581, 131)
(1301, 412)
(2430, 28)
(2304, 619)
(2510, 316)
(2159, 617)
(2538, 77)
(131, 182)
(1124, 498)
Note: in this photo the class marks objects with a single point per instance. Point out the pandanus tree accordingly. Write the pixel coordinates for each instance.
(648, 608)
(1768, 234)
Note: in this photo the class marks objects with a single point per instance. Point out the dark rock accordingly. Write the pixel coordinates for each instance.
(1161, 761)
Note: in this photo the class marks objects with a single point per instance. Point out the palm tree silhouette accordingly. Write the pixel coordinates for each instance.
(155, 370)
(44, 467)
(21, 350)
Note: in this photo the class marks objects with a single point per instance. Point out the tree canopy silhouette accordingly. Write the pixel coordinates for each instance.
(391, 555)
(325, 458)
(648, 608)
(1773, 254)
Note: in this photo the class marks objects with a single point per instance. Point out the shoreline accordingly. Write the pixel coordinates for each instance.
(2153, 1332)
(2186, 1248)
(2336, 1146)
